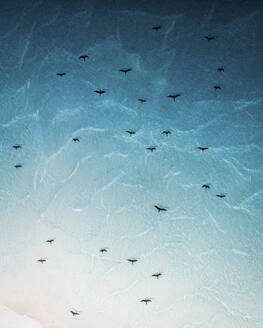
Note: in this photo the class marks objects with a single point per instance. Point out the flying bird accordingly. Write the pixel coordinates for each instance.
(157, 27)
(103, 250)
(130, 132)
(160, 208)
(174, 96)
(202, 148)
(132, 260)
(83, 57)
(209, 38)
(17, 146)
(61, 74)
(125, 70)
(206, 186)
(18, 165)
(74, 313)
(50, 241)
(142, 100)
(42, 260)
(146, 300)
(221, 195)
(100, 92)
(220, 69)
(166, 132)
(217, 87)
(157, 275)
(76, 139)
(151, 148)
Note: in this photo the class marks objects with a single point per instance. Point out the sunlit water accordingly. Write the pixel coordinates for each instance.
(100, 192)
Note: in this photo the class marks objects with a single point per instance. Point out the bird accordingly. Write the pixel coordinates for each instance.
(220, 69)
(130, 132)
(17, 146)
(221, 195)
(209, 38)
(100, 92)
(151, 148)
(142, 100)
(174, 96)
(160, 208)
(202, 148)
(166, 132)
(103, 250)
(146, 300)
(206, 186)
(217, 87)
(61, 74)
(50, 241)
(74, 313)
(157, 275)
(83, 57)
(18, 165)
(76, 139)
(132, 260)
(42, 260)
(157, 27)
(125, 70)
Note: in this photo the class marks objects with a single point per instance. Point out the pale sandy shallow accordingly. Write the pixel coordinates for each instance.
(11, 319)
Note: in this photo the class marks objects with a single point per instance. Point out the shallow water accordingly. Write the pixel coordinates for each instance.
(100, 192)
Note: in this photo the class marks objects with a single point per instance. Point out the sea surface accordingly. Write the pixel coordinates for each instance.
(100, 191)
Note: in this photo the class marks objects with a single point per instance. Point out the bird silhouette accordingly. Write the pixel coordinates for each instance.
(74, 313)
(157, 275)
(100, 92)
(83, 57)
(174, 96)
(50, 241)
(17, 146)
(217, 87)
(142, 100)
(221, 195)
(206, 186)
(159, 209)
(103, 250)
(157, 27)
(76, 139)
(130, 132)
(125, 70)
(146, 300)
(220, 69)
(209, 38)
(132, 260)
(202, 148)
(42, 260)
(61, 74)
(151, 148)
(18, 165)
(166, 132)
